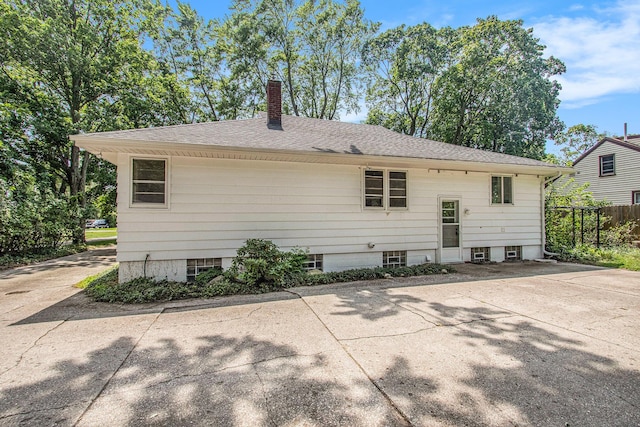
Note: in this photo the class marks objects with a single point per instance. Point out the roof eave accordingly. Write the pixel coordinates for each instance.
(108, 148)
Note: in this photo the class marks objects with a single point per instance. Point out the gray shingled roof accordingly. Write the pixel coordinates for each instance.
(313, 136)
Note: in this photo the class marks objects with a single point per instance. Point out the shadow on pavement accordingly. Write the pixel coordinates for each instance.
(549, 379)
(220, 381)
(89, 258)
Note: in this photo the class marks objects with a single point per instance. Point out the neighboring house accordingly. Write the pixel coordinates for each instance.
(353, 195)
(612, 168)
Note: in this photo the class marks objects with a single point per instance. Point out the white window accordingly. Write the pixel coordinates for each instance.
(314, 262)
(200, 265)
(513, 253)
(635, 197)
(394, 259)
(373, 189)
(501, 190)
(480, 254)
(385, 189)
(149, 178)
(607, 165)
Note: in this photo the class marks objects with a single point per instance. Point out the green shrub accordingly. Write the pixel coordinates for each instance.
(617, 257)
(559, 221)
(206, 276)
(33, 220)
(105, 287)
(305, 279)
(262, 266)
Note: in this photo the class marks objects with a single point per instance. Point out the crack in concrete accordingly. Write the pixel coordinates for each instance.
(408, 308)
(517, 314)
(266, 398)
(253, 311)
(230, 319)
(403, 419)
(11, 311)
(569, 282)
(104, 386)
(226, 368)
(34, 411)
(437, 325)
(35, 343)
(384, 336)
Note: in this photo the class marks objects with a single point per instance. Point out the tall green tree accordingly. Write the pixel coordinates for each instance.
(403, 64)
(313, 47)
(576, 140)
(498, 95)
(60, 61)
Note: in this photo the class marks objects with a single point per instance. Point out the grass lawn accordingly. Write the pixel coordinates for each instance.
(618, 257)
(100, 233)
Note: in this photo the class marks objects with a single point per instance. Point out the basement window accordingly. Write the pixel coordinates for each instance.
(480, 254)
(200, 265)
(513, 253)
(314, 262)
(392, 259)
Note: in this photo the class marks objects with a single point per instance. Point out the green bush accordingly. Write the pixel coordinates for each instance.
(617, 257)
(305, 279)
(105, 287)
(32, 219)
(559, 220)
(207, 276)
(261, 265)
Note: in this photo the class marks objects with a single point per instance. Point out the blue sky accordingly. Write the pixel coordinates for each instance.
(599, 42)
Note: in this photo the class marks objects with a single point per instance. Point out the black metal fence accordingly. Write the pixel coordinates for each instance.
(568, 225)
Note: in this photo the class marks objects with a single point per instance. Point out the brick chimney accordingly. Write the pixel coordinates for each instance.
(274, 104)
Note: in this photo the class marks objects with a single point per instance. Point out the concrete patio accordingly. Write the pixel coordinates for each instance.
(510, 344)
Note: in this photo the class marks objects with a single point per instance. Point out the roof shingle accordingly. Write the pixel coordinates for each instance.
(313, 136)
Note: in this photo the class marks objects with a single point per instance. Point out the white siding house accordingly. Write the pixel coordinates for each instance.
(353, 195)
(612, 169)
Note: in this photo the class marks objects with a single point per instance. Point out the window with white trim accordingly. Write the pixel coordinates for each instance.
(635, 198)
(480, 254)
(314, 262)
(196, 266)
(394, 259)
(607, 165)
(501, 190)
(513, 253)
(385, 189)
(148, 182)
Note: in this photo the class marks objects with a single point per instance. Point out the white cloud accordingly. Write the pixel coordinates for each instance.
(601, 52)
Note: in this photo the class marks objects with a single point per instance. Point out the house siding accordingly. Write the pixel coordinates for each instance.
(616, 188)
(216, 205)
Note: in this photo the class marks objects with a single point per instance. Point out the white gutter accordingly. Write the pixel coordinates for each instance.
(543, 184)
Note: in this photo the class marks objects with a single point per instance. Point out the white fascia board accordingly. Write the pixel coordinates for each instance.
(108, 148)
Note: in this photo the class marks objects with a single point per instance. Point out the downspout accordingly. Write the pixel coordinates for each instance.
(144, 266)
(543, 184)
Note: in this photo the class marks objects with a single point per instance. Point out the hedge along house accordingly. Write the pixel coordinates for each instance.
(354, 195)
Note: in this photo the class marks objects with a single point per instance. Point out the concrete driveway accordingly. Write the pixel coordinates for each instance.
(513, 344)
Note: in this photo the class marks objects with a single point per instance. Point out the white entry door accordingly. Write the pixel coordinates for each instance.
(450, 244)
